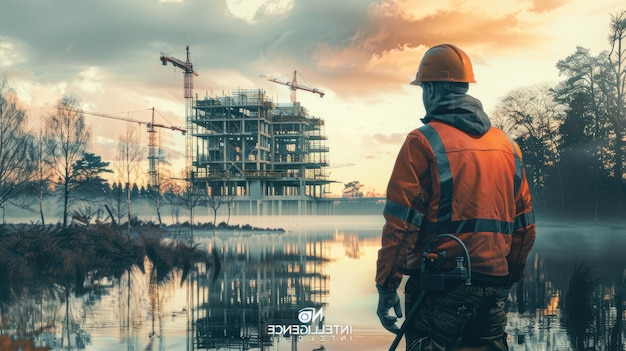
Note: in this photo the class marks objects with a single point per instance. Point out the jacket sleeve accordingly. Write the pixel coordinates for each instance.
(404, 211)
(523, 236)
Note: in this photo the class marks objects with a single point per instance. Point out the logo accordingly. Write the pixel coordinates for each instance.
(308, 315)
(311, 327)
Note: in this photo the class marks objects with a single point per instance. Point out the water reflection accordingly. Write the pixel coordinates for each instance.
(267, 279)
(571, 298)
(51, 275)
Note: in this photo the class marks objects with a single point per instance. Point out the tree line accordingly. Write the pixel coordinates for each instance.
(53, 164)
(572, 132)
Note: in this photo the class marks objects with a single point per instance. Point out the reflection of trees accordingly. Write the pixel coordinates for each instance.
(167, 259)
(41, 263)
(8, 344)
(351, 245)
(583, 273)
(578, 305)
(44, 259)
(56, 261)
(616, 340)
(535, 291)
(267, 279)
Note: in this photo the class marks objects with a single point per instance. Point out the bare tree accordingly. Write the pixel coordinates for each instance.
(42, 172)
(16, 167)
(129, 156)
(195, 195)
(118, 202)
(533, 117)
(230, 203)
(617, 58)
(67, 137)
(215, 202)
(158, 189)
(173, 196)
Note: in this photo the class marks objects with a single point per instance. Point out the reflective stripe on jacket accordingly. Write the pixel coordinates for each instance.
(447, 181)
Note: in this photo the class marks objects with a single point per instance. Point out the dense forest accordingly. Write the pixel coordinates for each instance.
(572, 134)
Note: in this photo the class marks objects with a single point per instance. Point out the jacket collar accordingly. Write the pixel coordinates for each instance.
(461, 111)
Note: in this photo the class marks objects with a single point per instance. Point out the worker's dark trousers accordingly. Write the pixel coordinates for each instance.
(470, 317)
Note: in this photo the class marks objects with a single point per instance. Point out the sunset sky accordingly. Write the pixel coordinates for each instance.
(362, 53)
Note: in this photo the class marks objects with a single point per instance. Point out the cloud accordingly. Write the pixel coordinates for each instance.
(390, 139)
(90, 80)
(385, 50)
(379, 146)
(540, 6)
(362, 53)
(351, 47)
(251, 10)
(9, 53)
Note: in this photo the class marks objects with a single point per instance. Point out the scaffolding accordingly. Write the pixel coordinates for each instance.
(261, 154)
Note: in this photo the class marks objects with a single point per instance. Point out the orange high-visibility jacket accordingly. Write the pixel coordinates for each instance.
(472, 186)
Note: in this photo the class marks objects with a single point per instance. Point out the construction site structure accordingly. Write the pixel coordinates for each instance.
(267, 158)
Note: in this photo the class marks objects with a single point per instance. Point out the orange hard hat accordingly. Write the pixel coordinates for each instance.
(445, 63)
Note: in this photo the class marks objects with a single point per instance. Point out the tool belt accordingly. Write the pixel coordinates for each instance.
(433, 274)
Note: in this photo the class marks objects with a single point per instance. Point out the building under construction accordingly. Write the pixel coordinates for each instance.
(259, 157)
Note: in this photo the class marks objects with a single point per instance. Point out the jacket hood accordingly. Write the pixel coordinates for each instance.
(461, 111)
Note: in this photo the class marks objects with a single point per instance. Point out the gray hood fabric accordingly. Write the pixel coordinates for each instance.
(461, 111)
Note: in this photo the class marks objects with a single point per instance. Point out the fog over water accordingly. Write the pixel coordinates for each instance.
(328, 263)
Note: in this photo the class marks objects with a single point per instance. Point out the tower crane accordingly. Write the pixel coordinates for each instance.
(293, 86)
(152, 144)
(187, 68)
(188, 72)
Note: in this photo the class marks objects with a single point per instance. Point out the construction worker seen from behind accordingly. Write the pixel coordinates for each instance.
(460, 177)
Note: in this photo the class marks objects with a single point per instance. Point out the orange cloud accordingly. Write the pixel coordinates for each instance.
(540, 6)
(385, 52)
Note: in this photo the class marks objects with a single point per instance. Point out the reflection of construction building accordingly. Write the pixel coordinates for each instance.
(270, 158)
(268, 280)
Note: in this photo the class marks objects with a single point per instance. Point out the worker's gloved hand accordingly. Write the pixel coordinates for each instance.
(388, 299)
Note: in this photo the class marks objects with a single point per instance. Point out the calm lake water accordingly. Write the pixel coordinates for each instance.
(321, 270)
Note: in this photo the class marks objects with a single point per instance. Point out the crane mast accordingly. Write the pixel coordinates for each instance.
(188, 73)
(293, 86)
